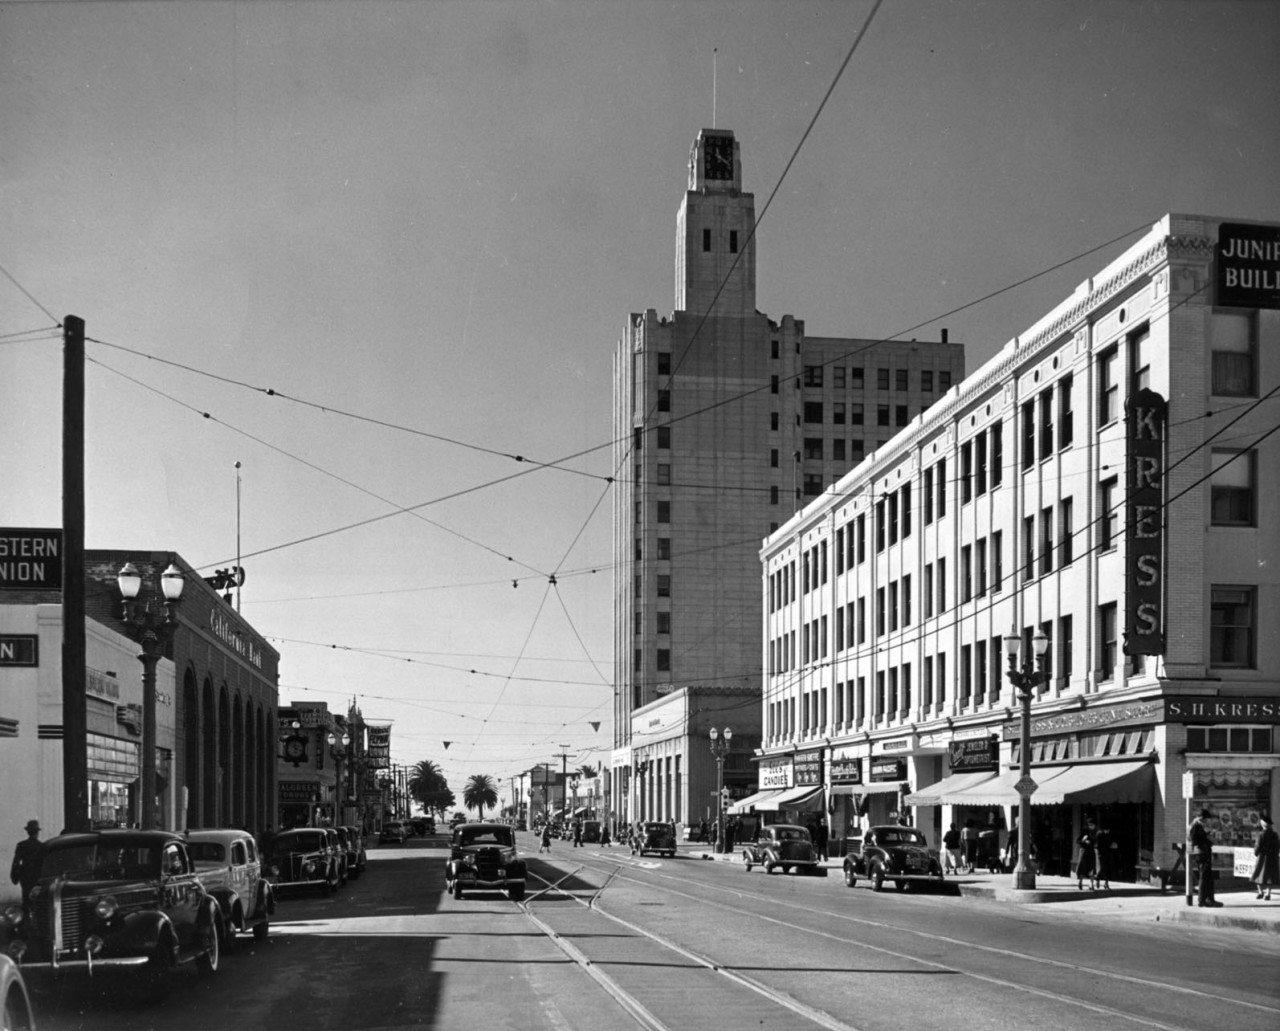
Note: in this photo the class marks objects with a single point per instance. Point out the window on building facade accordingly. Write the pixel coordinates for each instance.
(927, 495)
(773, 495)
(664, 437)
(900, 379)
(664, 622)
(1029, 548)
(966, 573)
(906, 600)
(664, 548)
(639, 623)
(664, 585)
(927, 594)
(980, 566)
(1066, 417)
(1140, 359)
(706, 240)
(966, 674)
(664, 363)
(997, 560)
(813, 448)
(1046, 424)
(773, 384)
(1028, 434)
(1066, 534)
(837, 414)
(733, 241)
(942, 488)
(664, 660)
(880, 611)
(856, 415)
(1108, 514)
(880, 527)
(940, 681)
(1107, 652)
(1065, 644)
(926, 684)
(942, 585)
(1232, 625)
(926, 381)
(1235, 357)
(966, 472)
(813, 375)
(882, 379)
(862, 620)
(856, 380)
(892, 501)
(997, 453)
(893, 605)
(813, 412)
(944, 381)
(980, 464)
(856, 451)
(664, 474)
(1108, 386)
(882, 415)
(900, 415)
(1046, 541)
(664, 511)
(664, 400)
(905, 493)
(1232, 487)
(838, 377)
(1229, 739)
(812, 484)
(979, 673)
(837, 450)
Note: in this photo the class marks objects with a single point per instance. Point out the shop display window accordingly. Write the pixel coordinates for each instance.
(1237, 799)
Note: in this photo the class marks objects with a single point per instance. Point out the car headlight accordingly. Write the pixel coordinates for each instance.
(469, 860)
(106, 907)
(13, 915)
(309, 867)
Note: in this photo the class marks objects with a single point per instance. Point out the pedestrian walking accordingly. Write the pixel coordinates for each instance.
(1087, 864)
(544, 842)
(605, 840)
(26, 861)
(702, 830)
(970, 838)
(1102, 857)
(577, 833)
(1266, 871)
(1202, 847)
(951, 850)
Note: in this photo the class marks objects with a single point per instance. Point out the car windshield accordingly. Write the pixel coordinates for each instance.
(900, 837)
(206, 851)
(657, 828)
(484, 836)
(792, 834)
(93, 862)
(301, 841)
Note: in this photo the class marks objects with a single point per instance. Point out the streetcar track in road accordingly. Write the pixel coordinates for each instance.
(637, 1010)
(952, 942)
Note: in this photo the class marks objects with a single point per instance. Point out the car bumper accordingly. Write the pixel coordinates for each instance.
(497, 883)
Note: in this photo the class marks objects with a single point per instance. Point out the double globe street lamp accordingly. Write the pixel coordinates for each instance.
(152, 634)
(720, 740)
(1025, 680)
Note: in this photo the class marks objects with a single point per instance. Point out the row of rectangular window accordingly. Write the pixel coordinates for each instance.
(856, 379)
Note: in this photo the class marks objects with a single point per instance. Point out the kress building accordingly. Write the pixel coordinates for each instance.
(1110, 479)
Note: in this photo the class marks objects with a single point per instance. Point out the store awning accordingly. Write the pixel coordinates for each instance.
(997, 790)
(807, 799)
(1098, 784)
(942, 792)
(745, 805)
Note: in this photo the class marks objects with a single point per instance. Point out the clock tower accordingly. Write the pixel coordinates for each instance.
(715, 243)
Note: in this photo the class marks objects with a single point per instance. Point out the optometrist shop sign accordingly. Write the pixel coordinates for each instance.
(30, 560)
(1144, 524)
(1248, 266)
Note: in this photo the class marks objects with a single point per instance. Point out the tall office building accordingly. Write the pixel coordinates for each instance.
(725, 421)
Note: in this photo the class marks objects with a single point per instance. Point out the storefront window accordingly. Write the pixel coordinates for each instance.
(1237, 799)
(1229, 739)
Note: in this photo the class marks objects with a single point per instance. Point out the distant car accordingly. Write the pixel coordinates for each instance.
(16, 1013)
(392, 833)
(590, 831)
(785, 847)
(656, 837)
(116, 900)
(228, 865)
(898, 854)
(301, 858)
(483, 857)
(456, 819)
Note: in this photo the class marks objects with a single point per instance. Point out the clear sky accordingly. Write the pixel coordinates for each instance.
(424, 225)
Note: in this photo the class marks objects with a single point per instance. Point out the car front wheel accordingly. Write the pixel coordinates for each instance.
(457, 889)
(850, 878)
(207, 961)
(746, 860)
(877, 878)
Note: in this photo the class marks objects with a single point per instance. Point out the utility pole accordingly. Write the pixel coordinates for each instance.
(75, 715)
(564, 777)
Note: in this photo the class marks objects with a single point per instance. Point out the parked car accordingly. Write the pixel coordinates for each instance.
(357, 857)
(898, 854)
(785, 847)
(483, 857)
(16, 1013)
(301, 858)
(392, 833)
(228, 865)
(590, 831)
(457, 819)
(338, 849)
(656, 837)
(112, 899)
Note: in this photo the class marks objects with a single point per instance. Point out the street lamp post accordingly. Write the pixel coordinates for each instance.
(720, 740)
(574, 784)
(152, 634)
(1025, 680)
(338, 749)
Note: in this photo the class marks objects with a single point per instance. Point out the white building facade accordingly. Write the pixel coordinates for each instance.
(1110, 479)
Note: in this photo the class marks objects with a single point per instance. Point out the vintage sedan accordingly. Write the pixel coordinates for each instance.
(898, 854)
(482, 857)
(301, 858)
(656, 837)
(231, 871)
(112, 899)
(591, 832)
(16, 1012)
(338, 849)
(357, 858)
(392, 833)
(785, 847)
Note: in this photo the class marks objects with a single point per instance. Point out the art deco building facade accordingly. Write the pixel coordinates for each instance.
(1111, 479)
(725, 421)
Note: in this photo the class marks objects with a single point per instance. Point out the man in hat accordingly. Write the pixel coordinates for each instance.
(26, 861)
(1202, 848)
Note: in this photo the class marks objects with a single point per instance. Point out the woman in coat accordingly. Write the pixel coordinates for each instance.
(1088, 864)
(1266, 871)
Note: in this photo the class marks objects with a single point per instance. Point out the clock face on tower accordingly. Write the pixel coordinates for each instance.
(717, 157)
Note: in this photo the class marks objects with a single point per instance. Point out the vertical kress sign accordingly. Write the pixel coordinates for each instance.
(1145, 417)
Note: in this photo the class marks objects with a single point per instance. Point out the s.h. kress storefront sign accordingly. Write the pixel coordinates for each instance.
(1144, 520)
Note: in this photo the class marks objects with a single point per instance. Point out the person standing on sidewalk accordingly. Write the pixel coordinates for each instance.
(1266, 871)
(1087, 864)
(1202, 846)
(26, 861)
(951, 850)
(544, 842)
(970, 838)
(821, 838)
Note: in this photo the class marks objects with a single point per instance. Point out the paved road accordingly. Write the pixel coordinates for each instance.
(606, 941)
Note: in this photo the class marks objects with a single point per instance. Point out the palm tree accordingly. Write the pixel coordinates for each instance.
(479, 793)
(429, 788)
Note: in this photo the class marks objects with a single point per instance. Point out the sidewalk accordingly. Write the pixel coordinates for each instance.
(1240, 909)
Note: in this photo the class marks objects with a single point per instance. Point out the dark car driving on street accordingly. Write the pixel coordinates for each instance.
(483, 857)
(656, 837)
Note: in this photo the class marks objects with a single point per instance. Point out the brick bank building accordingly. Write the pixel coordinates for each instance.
(1110, 480)
(216, 688)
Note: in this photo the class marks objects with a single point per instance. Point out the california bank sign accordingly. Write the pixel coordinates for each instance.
(234, 638)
